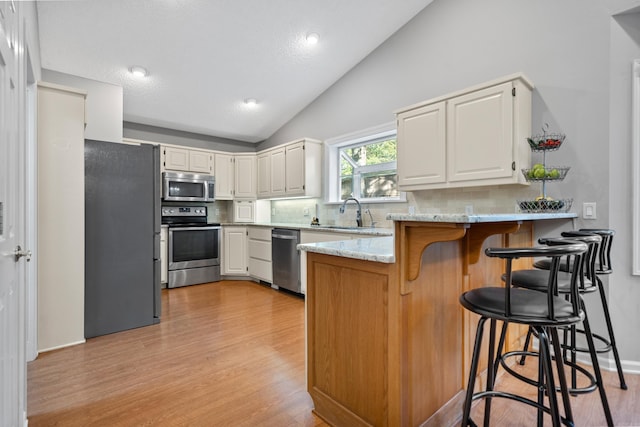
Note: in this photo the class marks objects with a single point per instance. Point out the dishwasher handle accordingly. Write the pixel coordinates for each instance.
(284, 237)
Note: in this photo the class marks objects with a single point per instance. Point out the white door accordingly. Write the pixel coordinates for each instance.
(295, 173)
(224, 173)
(480, 134)
(278, 165)
(246, 181)
(235, 251)
(12, 135)
(422, 146)
(264, 175)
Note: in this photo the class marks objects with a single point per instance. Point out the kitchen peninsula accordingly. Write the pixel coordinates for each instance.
(388, 344)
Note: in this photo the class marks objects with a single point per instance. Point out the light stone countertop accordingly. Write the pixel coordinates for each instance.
(468, 219)
(323, 228)
(378, 249)
(381, 249)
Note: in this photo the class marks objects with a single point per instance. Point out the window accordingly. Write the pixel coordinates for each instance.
(363, 165)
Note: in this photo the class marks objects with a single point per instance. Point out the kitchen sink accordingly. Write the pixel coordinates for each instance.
(342, 227)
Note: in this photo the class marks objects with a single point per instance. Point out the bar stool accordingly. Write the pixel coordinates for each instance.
(535, 279)
(543, 311)
(602, 267)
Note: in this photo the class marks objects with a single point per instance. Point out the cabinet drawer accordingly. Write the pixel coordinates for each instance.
(260, 233)
(260, 269)
(260, 249)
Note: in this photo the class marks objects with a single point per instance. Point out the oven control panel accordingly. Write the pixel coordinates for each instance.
(184, 211)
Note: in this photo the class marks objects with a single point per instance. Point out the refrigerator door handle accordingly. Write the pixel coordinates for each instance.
(156, 246)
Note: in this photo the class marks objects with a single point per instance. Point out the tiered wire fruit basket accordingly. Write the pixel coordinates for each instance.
(541, 172)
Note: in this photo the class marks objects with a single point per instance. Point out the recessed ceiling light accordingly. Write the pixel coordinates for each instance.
(312, 38)
(139, 71)
(251, 102)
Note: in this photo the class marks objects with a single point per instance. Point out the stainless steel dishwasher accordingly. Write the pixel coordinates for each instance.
(285, 258)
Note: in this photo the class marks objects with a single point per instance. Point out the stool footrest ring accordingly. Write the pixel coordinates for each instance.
(578, 390)
(521, 399)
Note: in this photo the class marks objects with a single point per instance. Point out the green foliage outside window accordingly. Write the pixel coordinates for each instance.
(369, 170)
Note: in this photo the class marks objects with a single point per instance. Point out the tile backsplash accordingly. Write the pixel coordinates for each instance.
(482, 200)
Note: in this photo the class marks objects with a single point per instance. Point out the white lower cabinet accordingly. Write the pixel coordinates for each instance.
(234, 254)
(259, 239)
(164, 231)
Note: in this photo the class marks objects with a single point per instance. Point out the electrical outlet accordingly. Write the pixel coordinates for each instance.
(217, 212)
(273, 211)
(468, 209)
(305, 211)
(589, 210)
(412, 210)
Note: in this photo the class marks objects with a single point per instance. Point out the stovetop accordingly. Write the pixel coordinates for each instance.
(185, 216)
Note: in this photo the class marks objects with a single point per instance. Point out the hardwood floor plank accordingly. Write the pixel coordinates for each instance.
(224, 354)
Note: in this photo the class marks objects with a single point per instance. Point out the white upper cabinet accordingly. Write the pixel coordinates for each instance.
(422, 155)
(246, 176)
(264, 174)
(175, 158)
(244, 211)
(225, 176)
(295, 177)
(201, 161)
(291, 170)
(469, 138)
(480, 131)
(278, 172)
(187, 160)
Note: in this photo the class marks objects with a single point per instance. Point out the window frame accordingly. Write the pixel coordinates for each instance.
(358, 138)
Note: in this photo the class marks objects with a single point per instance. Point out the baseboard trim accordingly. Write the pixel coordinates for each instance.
(44, 350)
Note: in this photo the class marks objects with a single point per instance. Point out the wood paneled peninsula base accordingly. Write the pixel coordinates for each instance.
(388, 344)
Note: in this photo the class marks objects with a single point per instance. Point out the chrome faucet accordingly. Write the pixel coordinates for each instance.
(358, 212)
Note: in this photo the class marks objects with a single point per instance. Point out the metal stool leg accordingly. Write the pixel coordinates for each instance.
(596, 366)
(466, 412)
(568, 413)
(545, 356)
(612, 339)
(491, 379)
(527, 341)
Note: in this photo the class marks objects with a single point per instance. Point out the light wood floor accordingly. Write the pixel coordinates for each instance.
(224, 354)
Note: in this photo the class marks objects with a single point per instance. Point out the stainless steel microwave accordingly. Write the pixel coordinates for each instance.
(187, 187)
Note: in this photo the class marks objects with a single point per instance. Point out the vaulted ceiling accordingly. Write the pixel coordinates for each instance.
(205, 58)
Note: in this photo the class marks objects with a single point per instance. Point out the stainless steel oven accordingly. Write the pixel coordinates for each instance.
(194, 246)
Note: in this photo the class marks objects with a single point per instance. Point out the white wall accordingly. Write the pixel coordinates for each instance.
(454, 44)
(104, 105)
(624, 289)
(577, 56)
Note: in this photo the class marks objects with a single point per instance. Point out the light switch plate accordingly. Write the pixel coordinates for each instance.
(589, 210)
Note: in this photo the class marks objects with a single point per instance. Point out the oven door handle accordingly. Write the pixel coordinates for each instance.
(213, 227)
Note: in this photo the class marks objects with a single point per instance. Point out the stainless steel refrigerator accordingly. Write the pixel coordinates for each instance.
(122, 237)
